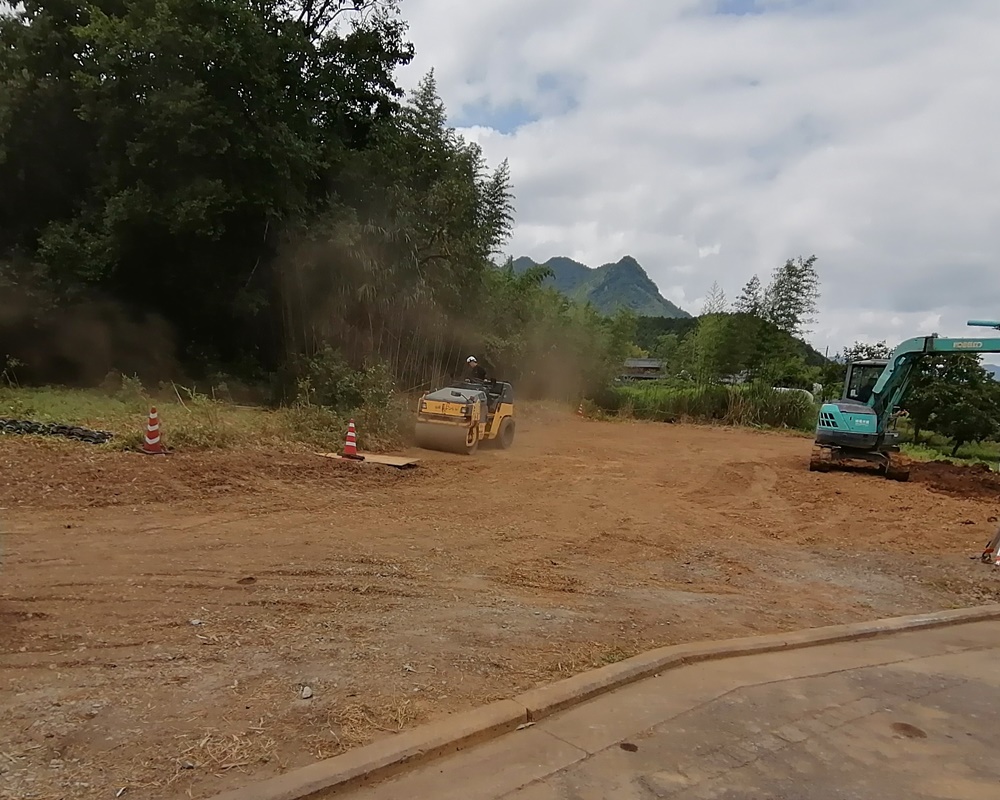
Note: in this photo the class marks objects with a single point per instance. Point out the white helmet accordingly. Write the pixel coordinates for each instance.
(470, 360)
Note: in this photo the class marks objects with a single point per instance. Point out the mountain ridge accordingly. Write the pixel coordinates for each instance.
(609, 287)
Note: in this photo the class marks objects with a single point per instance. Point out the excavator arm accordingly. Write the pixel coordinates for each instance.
(895, 378)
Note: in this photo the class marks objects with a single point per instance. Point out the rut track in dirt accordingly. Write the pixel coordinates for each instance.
(160, 616)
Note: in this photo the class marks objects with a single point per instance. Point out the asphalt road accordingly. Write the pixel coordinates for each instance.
(915, 715)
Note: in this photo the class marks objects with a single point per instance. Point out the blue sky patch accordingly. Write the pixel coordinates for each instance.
(738, 8)
(554, 95)
(505, 119)
(746, 8)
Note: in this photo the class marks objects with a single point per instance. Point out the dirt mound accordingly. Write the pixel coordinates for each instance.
(976, 480)
(57, 474)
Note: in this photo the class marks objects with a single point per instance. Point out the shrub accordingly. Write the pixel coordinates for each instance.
(758, 406)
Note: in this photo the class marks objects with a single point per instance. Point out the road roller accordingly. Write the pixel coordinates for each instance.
(460, 417)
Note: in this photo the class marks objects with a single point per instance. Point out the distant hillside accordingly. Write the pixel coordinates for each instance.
(994, 370)
(609, 288)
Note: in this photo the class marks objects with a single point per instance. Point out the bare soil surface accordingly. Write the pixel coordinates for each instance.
(162, 618)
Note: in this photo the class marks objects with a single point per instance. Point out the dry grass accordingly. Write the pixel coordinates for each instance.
(582, 657)
(218, 752)
(357, 723)
(342, 728)
(214, 752)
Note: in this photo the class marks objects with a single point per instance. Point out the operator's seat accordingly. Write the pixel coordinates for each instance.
(493, 396)
(484, 387)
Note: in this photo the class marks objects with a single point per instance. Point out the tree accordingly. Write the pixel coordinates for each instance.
(715, 300)
(966, 412)
(751, 299)
(790, 299)
(666, 349)
(952, 395)
(864, 351)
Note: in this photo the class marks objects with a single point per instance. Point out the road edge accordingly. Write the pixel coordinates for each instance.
(391, 755)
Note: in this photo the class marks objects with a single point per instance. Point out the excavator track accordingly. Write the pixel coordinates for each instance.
(825, 459)
(821, 459)
(896, 471)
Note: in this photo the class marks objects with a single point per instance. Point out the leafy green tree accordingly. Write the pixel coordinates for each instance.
(953, 395)
(864, 351)
(666, 349)
(790, 299)
(967, 404)
(751, 299)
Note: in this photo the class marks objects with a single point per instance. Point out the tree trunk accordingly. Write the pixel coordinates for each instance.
(954, 450)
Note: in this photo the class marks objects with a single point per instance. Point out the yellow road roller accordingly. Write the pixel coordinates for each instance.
(459, 417)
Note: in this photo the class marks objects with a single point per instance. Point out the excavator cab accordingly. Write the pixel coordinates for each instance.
(850, 430)
(861, 379)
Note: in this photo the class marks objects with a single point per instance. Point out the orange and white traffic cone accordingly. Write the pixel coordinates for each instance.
(151, 444)
(351, 444)
(579, 411)
(992, 550)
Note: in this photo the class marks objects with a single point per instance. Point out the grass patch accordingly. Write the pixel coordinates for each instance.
(972, 455)
(934, 447)
(753, 406)
(192, 421)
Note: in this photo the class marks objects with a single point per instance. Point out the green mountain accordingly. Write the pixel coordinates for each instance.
(610, 287)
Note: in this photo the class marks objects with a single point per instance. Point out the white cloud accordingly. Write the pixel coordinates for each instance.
(712, 146)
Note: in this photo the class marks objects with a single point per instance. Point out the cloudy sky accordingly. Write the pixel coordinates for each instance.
(711, 139)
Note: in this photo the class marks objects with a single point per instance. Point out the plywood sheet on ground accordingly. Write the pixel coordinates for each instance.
(377, 458)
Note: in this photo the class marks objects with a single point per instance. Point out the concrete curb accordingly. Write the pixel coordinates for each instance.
(389, 756)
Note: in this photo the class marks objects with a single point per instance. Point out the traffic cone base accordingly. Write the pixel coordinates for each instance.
(151, 445)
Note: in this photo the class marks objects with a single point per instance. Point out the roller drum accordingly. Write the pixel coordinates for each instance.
(447, 438)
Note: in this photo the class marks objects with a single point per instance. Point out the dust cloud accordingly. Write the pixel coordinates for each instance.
(338, 290)
(78, 345)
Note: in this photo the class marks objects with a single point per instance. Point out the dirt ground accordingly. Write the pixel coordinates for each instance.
(161, 618)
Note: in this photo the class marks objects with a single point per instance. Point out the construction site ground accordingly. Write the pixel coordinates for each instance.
(176, 626)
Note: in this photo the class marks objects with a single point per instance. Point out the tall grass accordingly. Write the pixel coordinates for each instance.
(193, 421)
(755, 406)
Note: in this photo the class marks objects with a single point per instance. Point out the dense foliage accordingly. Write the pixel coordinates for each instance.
(245, 185)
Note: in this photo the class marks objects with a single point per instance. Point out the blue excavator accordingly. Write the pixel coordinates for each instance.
(860, 427)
